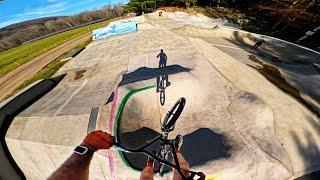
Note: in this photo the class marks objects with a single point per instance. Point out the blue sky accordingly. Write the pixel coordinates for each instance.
(13, 11)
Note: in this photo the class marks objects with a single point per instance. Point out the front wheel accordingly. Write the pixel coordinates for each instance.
(173, 115)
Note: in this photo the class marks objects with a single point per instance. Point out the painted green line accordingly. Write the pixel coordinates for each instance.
(120, 113)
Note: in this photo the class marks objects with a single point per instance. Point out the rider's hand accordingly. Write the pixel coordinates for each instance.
(99, 140)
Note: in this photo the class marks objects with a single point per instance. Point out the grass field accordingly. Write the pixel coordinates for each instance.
(48, 71)
(12, 58)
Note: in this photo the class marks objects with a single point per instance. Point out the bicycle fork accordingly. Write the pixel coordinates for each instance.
(164, 152)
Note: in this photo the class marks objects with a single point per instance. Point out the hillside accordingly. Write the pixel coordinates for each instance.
(10, 29)
(14, 35)
(285, 19)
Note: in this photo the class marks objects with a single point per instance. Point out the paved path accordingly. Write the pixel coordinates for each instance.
(11, 80)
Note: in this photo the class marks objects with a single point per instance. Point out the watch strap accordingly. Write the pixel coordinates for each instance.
(83, 150)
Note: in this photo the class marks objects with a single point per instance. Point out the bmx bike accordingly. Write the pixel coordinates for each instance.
(167, 147)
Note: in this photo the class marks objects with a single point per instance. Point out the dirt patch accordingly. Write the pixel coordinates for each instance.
(9, 82)
(79, 74)
(274, 76)
(255, 59)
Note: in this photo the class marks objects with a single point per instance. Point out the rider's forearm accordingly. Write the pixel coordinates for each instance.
(75, 167)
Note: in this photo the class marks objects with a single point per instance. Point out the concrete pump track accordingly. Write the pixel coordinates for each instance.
(249, 114)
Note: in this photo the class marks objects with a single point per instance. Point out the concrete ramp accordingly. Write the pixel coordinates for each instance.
(236, 123)
(228, 125)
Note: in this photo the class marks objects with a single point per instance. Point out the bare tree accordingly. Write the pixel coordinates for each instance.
(293, 13)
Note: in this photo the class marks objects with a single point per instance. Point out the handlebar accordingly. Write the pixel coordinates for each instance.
(175, 166)
(167, 126)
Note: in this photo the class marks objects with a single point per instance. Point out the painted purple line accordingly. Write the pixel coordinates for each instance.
(111, 164)
(110, 153)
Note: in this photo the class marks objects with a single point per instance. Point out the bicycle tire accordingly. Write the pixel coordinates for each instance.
(173, 114)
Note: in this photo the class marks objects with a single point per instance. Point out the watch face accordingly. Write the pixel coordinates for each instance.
(80, 150)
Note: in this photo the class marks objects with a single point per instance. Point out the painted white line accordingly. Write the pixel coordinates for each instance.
(231, 47)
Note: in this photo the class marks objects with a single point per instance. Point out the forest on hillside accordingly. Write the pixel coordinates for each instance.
(148, 5)
(285, 19)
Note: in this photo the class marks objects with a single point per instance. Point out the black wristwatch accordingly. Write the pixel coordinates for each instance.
(83, 150)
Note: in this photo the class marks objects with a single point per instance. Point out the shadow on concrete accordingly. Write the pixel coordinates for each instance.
(204, 145)
(288, 60)
(279, 53)
(198, 148)
(296, 60)
(110, 98)
(162, 84)
(134, 140)
(161, 74)
(162, 59)
(262, 52)
(309, 150)
(162, 77)
(145, 73)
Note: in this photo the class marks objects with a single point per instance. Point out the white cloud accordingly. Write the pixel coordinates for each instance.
(53, 9)
(6, 23)
(52, 1)
(32, 13)
(48, 10)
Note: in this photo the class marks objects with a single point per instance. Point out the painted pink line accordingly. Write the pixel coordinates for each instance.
(111, 164)
(110, 153)
(113, 109)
